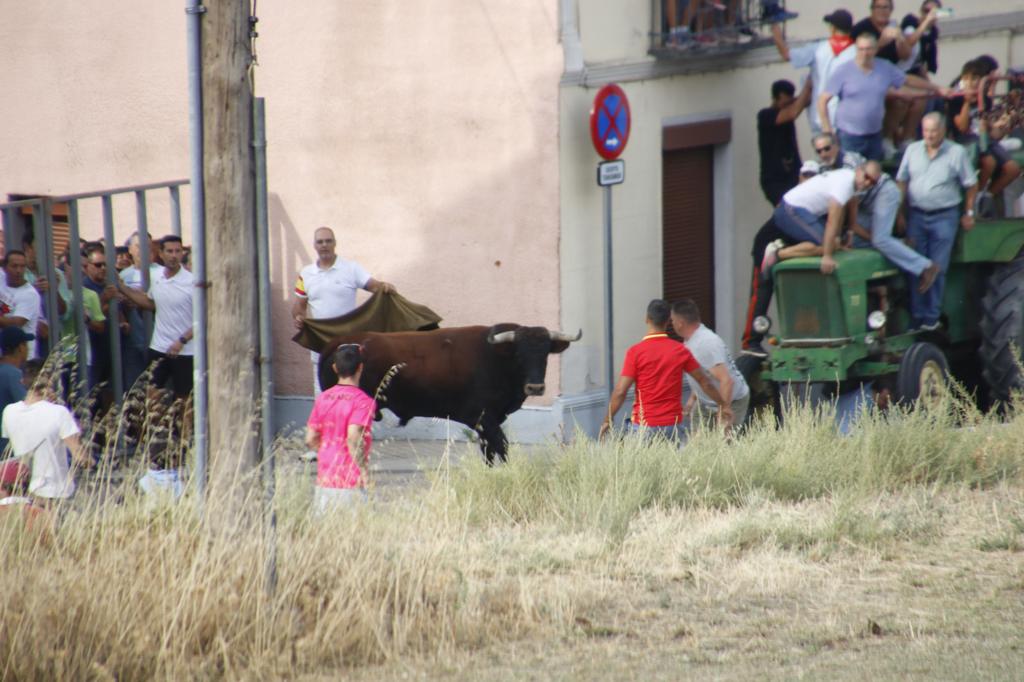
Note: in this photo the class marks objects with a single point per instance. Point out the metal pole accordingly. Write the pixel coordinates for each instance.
(194, 11)
(175, 211)
(114, 309)
(266, 338)
(75, 253)
(9, 213)
(142, 234)
(42, 227)
(608, 302)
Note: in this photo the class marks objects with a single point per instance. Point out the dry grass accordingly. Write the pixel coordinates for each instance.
(792, 553)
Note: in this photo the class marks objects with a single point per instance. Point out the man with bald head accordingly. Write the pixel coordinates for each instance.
(811, 214)
(327, 288)
(935, 176)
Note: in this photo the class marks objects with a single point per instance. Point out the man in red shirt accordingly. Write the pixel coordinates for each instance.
(656, 366)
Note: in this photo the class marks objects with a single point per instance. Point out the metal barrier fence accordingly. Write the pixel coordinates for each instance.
(42, 220)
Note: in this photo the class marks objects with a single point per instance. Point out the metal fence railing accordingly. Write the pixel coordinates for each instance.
(715, 27)
(39, 213)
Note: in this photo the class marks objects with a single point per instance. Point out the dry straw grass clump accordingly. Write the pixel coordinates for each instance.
(132, 589)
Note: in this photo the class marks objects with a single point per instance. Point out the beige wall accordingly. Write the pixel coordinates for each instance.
(637, 202)
(424, 132)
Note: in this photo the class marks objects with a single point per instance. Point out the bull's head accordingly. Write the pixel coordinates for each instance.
(532, 346)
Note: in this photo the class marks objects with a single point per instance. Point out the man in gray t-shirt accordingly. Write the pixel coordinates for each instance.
(711, 352)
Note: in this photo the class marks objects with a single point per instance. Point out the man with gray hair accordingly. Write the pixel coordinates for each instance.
(935, 176)
(831, 156)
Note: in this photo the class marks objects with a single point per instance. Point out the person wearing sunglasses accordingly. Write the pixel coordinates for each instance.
(811, 214)
(831, 156)
(872, 219)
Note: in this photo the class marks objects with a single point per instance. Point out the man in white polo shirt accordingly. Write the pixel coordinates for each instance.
(170, 296)
(327, 288)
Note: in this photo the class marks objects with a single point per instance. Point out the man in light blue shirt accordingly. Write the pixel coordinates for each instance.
(934, 176)
(873, 217)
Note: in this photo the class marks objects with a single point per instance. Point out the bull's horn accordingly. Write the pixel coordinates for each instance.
(562, 336)
(501, 337)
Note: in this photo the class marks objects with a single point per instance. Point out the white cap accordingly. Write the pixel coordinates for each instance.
(810, 168)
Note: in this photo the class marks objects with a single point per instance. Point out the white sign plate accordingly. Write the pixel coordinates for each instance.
(611, 173)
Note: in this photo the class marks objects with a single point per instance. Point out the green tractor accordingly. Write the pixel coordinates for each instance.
(852, 327)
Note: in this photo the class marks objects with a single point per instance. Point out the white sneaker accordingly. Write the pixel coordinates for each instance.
(771, 255)
(888, 149)
(308, 456)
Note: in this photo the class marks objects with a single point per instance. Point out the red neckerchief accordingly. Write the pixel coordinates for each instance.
(838, 43)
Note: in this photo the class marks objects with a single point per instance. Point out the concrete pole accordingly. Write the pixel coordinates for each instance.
(231, 260)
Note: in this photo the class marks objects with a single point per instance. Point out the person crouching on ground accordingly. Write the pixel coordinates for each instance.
(41, 433)
(339, 430)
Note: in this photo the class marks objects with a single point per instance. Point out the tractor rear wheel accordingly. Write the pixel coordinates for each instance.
(923, 375)
(1002, 329)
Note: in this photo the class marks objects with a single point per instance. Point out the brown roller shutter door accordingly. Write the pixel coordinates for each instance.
(688, 256)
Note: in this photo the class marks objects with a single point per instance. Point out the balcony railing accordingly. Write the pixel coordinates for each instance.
(682, 29)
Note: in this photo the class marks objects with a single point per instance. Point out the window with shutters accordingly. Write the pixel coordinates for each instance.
(688, 256)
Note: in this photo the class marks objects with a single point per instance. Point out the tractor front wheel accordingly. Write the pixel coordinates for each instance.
(1002, 329)
(923, 375)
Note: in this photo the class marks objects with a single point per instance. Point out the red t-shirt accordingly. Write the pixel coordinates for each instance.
(657, 364)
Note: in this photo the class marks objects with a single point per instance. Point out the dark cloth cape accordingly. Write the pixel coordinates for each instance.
(381, 313)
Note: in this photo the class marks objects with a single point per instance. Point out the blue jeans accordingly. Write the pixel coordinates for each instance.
(868, 146)
(880, 220)
(671, 432)
(799, 224)
(933, 235)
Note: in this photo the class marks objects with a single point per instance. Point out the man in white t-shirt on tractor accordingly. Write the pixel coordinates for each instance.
(812, 214)
(20, 305)
(713, 355)
(41, 433)
(170, 296)
(327, 288)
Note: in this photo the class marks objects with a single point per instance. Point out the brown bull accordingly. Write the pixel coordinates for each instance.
(473, 375)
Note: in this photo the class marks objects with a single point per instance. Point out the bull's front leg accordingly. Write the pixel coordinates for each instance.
(492, 439)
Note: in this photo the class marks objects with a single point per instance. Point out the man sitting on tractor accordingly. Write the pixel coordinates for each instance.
(812, 213)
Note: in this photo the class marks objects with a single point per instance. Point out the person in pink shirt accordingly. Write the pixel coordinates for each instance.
(339, 430)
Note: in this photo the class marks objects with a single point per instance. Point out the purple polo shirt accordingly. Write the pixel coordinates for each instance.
(862, 95)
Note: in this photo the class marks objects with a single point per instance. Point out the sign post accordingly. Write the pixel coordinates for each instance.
(609, 131)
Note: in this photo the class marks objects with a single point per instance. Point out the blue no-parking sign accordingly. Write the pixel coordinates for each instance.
(610, 121)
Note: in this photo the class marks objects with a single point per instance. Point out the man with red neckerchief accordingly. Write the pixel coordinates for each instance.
(656, 366)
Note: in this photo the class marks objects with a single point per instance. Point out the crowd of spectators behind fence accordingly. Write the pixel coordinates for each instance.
(23, 301)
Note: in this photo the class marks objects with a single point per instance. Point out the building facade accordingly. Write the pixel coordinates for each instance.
(448, 145)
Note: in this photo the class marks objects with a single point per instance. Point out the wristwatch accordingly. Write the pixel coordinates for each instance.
(970, 212)
(183, 340)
